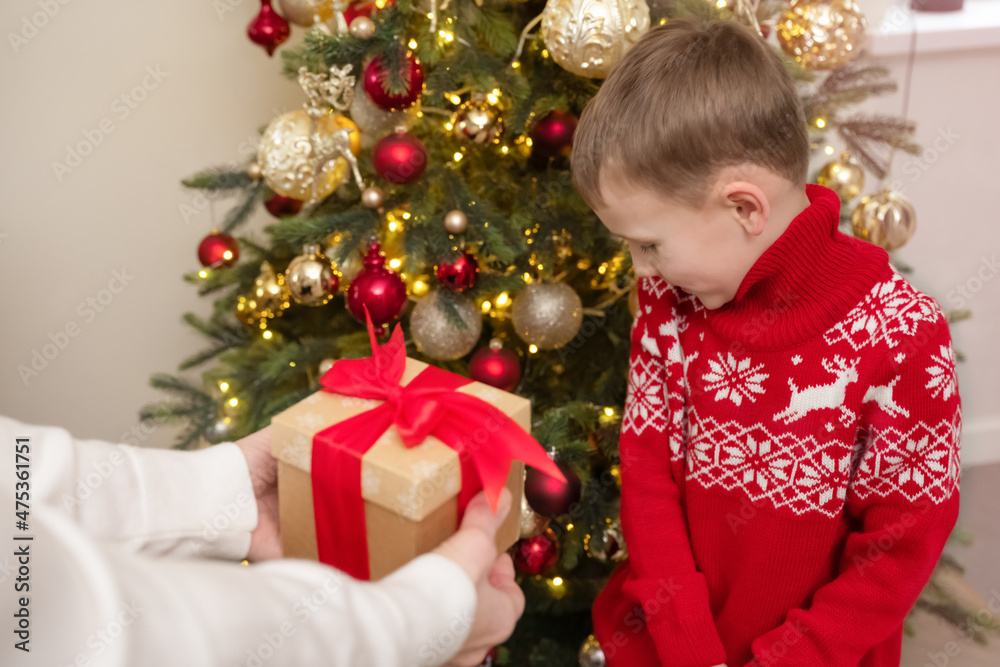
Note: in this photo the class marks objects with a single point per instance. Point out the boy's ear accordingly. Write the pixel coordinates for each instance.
(748, 205)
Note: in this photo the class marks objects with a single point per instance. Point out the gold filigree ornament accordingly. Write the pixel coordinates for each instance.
(587, 37)
(306, 154)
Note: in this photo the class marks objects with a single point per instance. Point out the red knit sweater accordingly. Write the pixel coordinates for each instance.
(790, 461)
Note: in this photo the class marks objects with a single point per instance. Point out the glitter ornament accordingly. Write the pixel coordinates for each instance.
(460, 274)
(886, 219)
(434, 332)
(547, 315)
(376, 76)
(535, 555)
(822, 34)
(843, 175)
(267, 299)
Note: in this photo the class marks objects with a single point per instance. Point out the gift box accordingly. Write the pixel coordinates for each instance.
(377, 467)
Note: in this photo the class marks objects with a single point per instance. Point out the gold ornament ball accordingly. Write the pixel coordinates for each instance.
(547, 315)
(254, 172)
(267, 299)
(372, 197)
(310, 277)
(306, 12)
(325, 366)
(478, 122)
(886, 219)
(455, 222)
(822, 34)
(286, 154)
(587, 38)
(531, 522)
(362, 27)
(591, 653)
(433, 331)
(843, 175)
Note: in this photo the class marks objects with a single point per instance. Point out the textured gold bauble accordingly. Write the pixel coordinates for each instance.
(372, 197)
(362, 27)
(268, 298)
(433, 331)
(455, 222)
(547, 315)
(531, 522)
(477, 121)
(587, 37)
(843, 175)
(822, 34)
(591, 653)
(287, 154)
(310, 277)
(306, 12)
(376, 122)
(886, 219)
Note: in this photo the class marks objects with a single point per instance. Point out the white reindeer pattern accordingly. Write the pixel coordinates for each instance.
(820, 396)
(883, 396)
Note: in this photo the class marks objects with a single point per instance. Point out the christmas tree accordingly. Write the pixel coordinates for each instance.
(427, 180)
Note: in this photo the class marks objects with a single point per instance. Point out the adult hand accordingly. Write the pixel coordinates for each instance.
(265, 541)
(500, 601)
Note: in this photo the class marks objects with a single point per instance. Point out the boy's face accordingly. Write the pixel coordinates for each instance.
(706, 252)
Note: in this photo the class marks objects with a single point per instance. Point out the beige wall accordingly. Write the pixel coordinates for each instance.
(64, 234)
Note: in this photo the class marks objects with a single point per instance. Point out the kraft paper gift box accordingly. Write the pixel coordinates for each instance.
(406, 499)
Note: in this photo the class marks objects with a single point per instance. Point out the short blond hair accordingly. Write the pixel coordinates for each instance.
(685, 101)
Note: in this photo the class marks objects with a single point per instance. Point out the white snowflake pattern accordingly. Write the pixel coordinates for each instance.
(890, 312)
(828, 477)
(942, 372)
(920, 459)
(757, 466)
(797, 359)
(645, 403)
(371, 482)
(311, 421)
(734, 379)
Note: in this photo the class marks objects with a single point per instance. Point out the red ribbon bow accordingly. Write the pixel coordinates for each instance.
(485, 438)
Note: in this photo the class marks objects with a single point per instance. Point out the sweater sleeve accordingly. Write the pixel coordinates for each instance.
(153, 501)
(663, 577)
(91, 603)
(904, 497)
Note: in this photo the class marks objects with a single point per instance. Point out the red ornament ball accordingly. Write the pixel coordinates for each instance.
(459, 275)
(268, 29)
(281, 206)
(376, 76)
(547, 495)
(534, 555)
(495, 366)
(552, 136)
(399, 158)
(356, 9)
(382, 290)
(217, 250)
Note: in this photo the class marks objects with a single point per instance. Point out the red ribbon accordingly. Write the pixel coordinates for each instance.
(485, 438)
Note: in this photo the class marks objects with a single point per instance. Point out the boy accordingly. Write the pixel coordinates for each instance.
(790, 441)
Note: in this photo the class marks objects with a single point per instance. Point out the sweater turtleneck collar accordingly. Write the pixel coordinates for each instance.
(805, 281)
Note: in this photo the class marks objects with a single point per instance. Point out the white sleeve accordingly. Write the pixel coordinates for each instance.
(159, 502)
(93, 605)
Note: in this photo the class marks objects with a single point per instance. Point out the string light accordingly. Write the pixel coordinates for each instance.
(267, 335)
(504, 150)
(203, 273)
(292, 364)
(820, 122)
(502, 299)
(609, 412)
(458, 156)
(828, 150)
(455, 99)
(412, 44)
(234, 401)
(394, 263)
(227, 254)
(223, 387)
(515, 65)
(533, 349)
